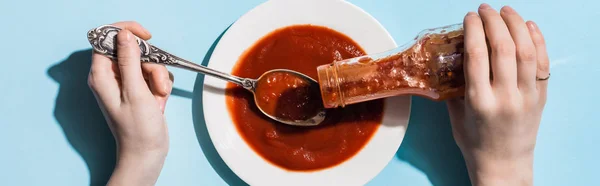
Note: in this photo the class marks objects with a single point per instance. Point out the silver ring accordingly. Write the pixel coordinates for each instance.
(543, 79)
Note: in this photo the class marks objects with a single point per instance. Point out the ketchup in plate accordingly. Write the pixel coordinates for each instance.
(344, 132)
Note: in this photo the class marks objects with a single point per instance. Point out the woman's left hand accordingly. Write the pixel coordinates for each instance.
(132, 97)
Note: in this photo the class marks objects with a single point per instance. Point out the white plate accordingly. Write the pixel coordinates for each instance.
(265, 18)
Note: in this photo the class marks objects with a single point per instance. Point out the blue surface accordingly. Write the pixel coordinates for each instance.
(52, 133)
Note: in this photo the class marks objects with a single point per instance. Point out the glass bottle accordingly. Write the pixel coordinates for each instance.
(429, 66)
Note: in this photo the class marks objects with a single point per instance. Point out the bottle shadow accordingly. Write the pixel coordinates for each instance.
(209, 150)
(430, 147)
(80, 117)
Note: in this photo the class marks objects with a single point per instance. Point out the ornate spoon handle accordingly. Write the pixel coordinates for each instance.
(104, 41)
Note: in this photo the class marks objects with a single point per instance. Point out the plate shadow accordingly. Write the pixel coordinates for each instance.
(430, 147)
(210, 152)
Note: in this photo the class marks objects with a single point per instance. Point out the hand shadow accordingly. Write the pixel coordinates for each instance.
(77, 112)
(83, 124)
(210, 152)
(429, 146)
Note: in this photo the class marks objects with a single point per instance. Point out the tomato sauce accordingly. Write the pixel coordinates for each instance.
(344, 132)
(288, 96)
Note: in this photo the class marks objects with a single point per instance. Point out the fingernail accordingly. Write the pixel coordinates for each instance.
(471, 14)
(126, 39)
(167, 88)
(171, 77)
(508, 9)
(146, 31)
(484, 6)
(169, 84)
(532, 26)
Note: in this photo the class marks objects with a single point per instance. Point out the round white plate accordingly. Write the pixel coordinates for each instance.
(265, 18)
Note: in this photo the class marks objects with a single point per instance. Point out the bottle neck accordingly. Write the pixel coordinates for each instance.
(330, 86)
(429, 66)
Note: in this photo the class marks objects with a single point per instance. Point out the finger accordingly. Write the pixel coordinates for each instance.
(526, 53)
(158, 78)
(456, 110)
(160, 82)
(543, 63)
(504, 65)
(128, 58)
(477, 68)
(162, 101)
(102, 80)
(135, 28)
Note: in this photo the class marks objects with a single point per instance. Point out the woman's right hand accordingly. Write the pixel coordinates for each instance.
(496, 124)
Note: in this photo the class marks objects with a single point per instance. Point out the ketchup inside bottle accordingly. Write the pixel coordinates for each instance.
(430, 66)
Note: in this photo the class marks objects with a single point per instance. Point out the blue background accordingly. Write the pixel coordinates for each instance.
(52, 132)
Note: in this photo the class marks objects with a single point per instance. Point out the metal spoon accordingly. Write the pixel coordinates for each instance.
(103, 40)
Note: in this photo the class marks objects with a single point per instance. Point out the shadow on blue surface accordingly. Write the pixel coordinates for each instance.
(77, 112)
(80, 118)
(429, 146)
(210, 152)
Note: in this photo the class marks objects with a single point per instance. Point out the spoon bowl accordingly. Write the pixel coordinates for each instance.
(289, 97)
(103, 40)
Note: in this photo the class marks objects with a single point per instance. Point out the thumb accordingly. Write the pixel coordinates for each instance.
(128, 58)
